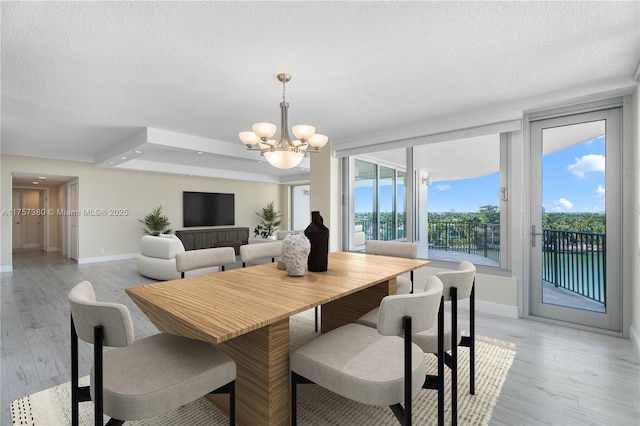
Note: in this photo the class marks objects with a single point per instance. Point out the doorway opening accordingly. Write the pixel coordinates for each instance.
(576, 223)
(44, 228)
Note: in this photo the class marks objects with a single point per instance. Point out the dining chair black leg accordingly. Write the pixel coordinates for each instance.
(441, 363)
(406, 322)
(98, 336)
(232, 403)
(437, 381)
(454, 356)
(78, 393)
(470, 340)
(75, 400)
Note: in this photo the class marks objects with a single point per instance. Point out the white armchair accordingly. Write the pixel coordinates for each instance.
(157, 258)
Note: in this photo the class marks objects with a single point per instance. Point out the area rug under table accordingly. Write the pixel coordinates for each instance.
(316, 406)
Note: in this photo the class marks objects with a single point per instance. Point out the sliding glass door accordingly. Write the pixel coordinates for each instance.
(379, 200)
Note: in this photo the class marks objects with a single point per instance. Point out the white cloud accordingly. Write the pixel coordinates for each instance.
(561, 205)
(600, 191)
(587, 164)
(443, 187)
(565, 203)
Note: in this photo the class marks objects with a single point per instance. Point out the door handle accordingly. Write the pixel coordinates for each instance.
(533, 235)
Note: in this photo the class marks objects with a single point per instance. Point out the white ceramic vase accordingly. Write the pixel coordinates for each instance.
(295, 251)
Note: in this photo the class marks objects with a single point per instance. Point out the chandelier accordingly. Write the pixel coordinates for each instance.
(283, 153)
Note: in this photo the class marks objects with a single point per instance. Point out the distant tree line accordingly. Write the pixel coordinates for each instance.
(581, 222)
(485, 214)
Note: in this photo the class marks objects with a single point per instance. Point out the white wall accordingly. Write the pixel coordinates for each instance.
(112, 237)
(325, 192)
(300, 207)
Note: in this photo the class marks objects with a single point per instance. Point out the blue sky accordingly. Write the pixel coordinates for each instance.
(573, 181)
(464, 195)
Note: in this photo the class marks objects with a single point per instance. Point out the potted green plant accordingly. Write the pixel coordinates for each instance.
(269, 221)
(156, 223)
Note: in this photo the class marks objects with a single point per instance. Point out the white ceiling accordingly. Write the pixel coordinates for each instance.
(84, 80)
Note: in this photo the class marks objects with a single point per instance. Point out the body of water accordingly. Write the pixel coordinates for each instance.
(582, 273)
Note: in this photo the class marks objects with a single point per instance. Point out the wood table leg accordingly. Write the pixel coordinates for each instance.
(349, 308)
(262, 383)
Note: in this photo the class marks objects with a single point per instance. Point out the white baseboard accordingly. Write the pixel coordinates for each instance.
(52, 248)
(9, 268)
(99, 259)
(496, 309)
(635, 339)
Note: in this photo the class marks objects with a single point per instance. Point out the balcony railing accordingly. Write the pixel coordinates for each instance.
(385, 231)
(571, 260)
(575, 261)
(467, 237)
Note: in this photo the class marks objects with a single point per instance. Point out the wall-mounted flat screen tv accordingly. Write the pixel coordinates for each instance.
(208, 209)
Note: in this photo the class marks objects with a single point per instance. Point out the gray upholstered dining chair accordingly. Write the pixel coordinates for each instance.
(259, 251)
(404, 249)
(430, 340)
(144, 378)
(205, 258)
(457, 284)
(372, 366)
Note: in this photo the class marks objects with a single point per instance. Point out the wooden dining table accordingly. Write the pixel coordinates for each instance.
(246, 313)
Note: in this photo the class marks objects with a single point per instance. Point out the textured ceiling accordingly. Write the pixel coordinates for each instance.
(83, 80)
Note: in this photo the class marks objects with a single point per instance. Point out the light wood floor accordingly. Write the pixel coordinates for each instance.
(560, 376)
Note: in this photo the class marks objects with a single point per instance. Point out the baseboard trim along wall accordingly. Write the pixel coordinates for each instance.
(497, 309)
(6, 268)
(99, 259)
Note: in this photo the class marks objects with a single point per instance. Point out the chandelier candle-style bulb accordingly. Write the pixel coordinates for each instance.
(283, 152)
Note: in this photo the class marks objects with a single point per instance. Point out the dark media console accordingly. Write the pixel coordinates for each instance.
(194, 239)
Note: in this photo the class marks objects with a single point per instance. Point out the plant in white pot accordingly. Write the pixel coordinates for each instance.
(269, 221)
(156, 223)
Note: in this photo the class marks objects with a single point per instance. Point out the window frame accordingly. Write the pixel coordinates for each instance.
(504, 205)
